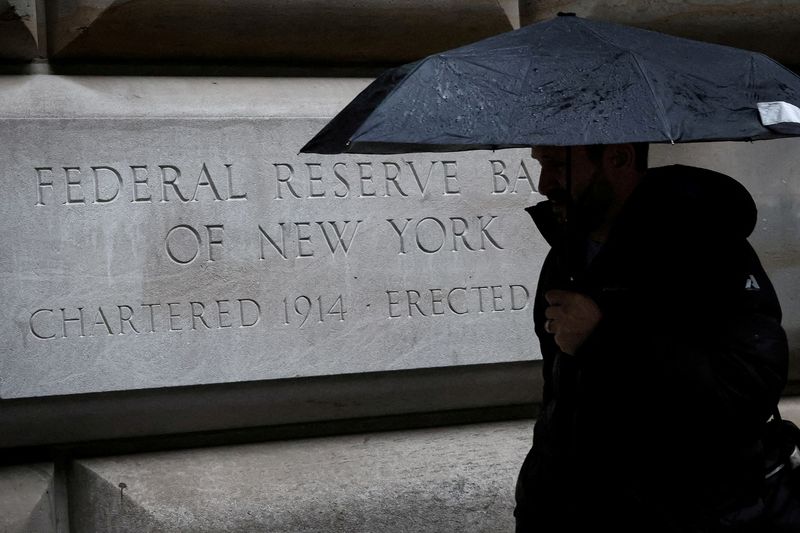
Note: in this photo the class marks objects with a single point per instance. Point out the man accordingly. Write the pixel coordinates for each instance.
(662, 346)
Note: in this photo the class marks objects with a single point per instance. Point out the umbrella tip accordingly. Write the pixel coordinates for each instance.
(565, 14)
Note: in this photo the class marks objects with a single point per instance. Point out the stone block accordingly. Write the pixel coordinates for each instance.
(150, 245)
(771, 27)
(790, 409)
(27, 499)
(18, 30)
(438, 480)
(285, 31)
(286, 408)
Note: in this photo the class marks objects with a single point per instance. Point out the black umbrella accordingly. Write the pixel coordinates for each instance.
(568, 81)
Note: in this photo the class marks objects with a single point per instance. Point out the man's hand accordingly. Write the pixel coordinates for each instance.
(571, 318)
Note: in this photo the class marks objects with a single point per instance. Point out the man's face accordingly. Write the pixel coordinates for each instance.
(591, 190)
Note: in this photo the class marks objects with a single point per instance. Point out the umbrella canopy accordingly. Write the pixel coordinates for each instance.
(568, 81)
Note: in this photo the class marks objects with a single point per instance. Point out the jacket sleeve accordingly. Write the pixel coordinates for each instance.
(728, 375)
(697, 339)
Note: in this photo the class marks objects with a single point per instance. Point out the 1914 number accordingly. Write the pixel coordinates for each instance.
(303, 308)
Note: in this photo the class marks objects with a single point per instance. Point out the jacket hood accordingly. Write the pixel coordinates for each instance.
(679, 196)
(698, 198)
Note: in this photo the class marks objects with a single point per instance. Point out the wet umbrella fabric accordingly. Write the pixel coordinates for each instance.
(568, 81)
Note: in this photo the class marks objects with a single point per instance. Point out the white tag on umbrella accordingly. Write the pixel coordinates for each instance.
(781, 117)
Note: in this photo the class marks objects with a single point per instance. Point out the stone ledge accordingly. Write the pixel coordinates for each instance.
(190, 416)
(26, 499)
(437, 480)
(790, 409)
(433, 480)
(771, 27)
(319, 31)
(18, 31)
(53, 96)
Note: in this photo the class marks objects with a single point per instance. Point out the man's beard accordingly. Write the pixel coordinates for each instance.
(589, 210)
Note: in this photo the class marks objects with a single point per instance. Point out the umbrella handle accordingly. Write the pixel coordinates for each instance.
(566, 251)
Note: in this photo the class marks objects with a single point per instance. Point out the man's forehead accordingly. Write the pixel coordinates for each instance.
(548, 152)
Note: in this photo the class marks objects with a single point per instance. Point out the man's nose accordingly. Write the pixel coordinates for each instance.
(548, 182)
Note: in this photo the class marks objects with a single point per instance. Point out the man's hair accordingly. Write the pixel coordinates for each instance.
(640, 151)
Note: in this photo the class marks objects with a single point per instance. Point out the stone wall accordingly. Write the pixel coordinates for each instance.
(19, 30)
(163, 232)
(175, 275)
(767, 26)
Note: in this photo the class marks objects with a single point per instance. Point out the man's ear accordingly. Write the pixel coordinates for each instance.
(620, 156)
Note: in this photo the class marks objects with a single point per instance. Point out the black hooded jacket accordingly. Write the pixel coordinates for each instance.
(654, 423)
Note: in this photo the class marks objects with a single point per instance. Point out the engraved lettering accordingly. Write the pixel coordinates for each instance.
(186, 241)
(197, 312)
(524, 175)
(171, 182)
(140, 181)
(117, 184)
(422, 187)
(126, 319)
(365, 176)
(412, 302)
(497, 298)
(314, 178)
(440, 240)
(280, 249)
(41, 184)
(450, 177)
(285, 180)
(480, 296)
(400, 233)
(101, 320)
(339, 234)
(305, 307)
(393, 302)
(37, 331)
(65, 320)
(246, 314)
(224, 313)
(339, 179)
(109, 185)
(73, 184)
(514, 301)
(392, 178)
(242, 314)
(303, 239)
(342, 180)
(173, 316)
(478, 299)
(501, 182)
(431, 234)
(463, 290)
(214, 241)
(455, 222)
(205, 180)
(436, 299)
(485, 233)
(152, 315)
(231, 194)
(498, 171)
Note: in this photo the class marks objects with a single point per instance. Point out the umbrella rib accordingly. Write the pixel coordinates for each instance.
(449, 64)
(394, 89)
(662, 115)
